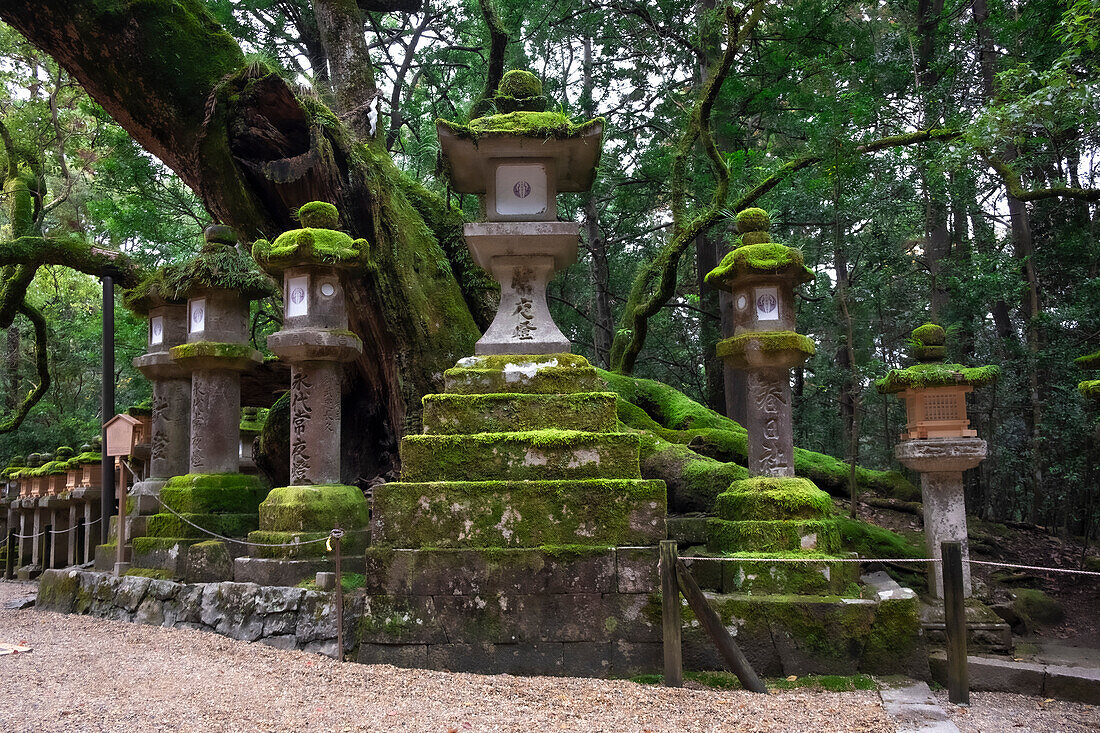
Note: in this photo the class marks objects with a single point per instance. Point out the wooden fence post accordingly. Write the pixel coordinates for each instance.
(670, 615)
(954, 613)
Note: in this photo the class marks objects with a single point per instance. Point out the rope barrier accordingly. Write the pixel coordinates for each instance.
(1036, 567)
(327, 538)
(57, 531)
(930, 560)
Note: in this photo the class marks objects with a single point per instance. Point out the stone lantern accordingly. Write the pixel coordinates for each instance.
(218, 285)
(938, 442)
(1090, 388)
(519, 161)
(316, 341)
(171, 414)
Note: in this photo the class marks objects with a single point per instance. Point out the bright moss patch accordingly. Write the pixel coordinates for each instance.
(208, 349)
(766, 257)
(538, 125)
(937, 375)
(309, 246)
(217, 266)
(930, 334)
(155, 573)
(1090, 389)
(767, 497)
(228, 525)
(520, 84)
(1088, 362)
(151, 292)
(86, 457)
(63, 453)
(319, 215)
(773, 535)
(206, 493)
(768, 342)
(301, 545)
(314, 508)
(869, 540)
(753, 219)
(496, 413)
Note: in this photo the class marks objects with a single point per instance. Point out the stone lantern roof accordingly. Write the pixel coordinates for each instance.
(220, 265)
(1089, 388)
(317, 243)
(151, 292)
(522, 129)
(928, 347)
(756, 254)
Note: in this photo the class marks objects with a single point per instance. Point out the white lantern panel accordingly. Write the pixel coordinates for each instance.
(197, 318)
(521, 190)
(767, 304)
(297, 296)
(156, 330)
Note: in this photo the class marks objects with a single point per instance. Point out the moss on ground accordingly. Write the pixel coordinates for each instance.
(1035, 608)
(869, 540)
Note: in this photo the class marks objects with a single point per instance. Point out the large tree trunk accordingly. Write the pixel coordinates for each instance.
(254, 152)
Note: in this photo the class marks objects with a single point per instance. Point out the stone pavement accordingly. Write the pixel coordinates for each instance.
(914, 709)
(1062, 682)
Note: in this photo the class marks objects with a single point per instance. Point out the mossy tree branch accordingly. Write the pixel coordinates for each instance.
(1016, 190)
(498, 45)
(644, 304)
(41, 360)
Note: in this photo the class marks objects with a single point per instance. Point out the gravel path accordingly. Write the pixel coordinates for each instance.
(1003, 711)
(88, 674)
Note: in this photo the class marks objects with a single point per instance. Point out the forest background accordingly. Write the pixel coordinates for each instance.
(933, 159)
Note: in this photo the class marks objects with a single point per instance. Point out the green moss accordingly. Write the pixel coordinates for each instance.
(141, 409)
(155, 573)
(491, 413)
(314, 508)
(869, 540)
(215, 349)
(520, 84)
(1089, 389)
(772, 535)
(217, 266)
(538, 125)
(150, 292)
(767, 342)
(309, 246)
(211, 493)
(1035, 608)
(229, 525)
(895, 635)
(319, 215)
(349, 582)
(753, 219)
(767, 257)
(1089, 362)
(936, 375)
(929, 353)
(766, 497)
(930, 334)
(63, 453)
(301, 544)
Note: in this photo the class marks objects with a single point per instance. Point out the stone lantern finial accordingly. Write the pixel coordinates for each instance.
(519, 91)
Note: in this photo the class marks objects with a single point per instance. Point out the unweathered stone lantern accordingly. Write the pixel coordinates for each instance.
(519, 161)
(938, 442)
(315, 340)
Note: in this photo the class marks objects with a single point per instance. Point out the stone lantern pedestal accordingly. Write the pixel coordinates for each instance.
(218, 285)
(316, 341)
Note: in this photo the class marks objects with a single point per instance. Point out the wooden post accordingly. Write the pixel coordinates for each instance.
(954, 614)
(120, 556)
(716, 630)
(670, 615)
(9, 561)
(337, 535)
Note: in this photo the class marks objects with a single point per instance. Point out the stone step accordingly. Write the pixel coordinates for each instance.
(451, 414)
(352, 542)
(1001, 674)
(814, 535)
(533, 374)
(227, 525)
(214, 493)
(783, 635)
(769, 498)
(814, 574)
(519, 513)
(534, 455)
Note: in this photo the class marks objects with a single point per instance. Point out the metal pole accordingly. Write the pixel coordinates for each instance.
(337, 534)
(954, 613)
(670, 616)
(107, 409)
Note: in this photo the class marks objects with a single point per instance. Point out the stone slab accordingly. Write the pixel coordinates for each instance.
(994, 674)
(914, 709)
(1079, 684)
(524, 374)
(446, 414)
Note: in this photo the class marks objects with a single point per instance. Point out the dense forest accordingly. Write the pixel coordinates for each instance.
(933, 160)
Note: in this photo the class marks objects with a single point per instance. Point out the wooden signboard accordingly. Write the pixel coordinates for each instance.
(122, 435)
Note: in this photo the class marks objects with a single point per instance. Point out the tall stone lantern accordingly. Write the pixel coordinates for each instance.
(170, 433)
(218, 285)
(938, 442)
(315, 340)
(519, 161)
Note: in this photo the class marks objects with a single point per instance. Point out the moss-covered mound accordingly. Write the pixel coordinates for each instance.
(539, 125)
(763, 258)
(1090, 389)
(212, 349)
(930, 334)
(519, 91)
(772, 497)
(151, 292)
(85, 457)
(767, 342)
(318, 242)
(220, 264)
(937, 375)
(1089, 362)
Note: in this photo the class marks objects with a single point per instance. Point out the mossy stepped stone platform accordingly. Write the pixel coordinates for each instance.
(301, 516)
(225, 504)
(522, 538)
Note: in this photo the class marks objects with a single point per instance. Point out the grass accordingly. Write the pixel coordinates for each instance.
(349, 581)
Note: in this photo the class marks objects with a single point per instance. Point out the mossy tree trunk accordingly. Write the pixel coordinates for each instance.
(254, 151)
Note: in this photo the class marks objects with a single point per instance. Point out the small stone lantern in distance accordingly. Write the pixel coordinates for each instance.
(938, 442)
(1090, 388)
(519, 160)
(315, 340)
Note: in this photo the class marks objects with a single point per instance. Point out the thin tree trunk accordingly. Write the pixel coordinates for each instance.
(12, 372)
(354, 90)
(603, 321)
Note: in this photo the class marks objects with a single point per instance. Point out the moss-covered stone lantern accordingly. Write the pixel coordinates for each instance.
(170, 420)
(218, 285)
(1089, 388)
(315, 340)
(519, 160)
(761, 276)
(938, 442)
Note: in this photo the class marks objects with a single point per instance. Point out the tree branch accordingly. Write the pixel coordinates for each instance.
(1016, 189)
(41, 359)
(498, 44)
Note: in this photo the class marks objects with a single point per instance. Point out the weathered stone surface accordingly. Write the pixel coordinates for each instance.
(687, 530)
(451, 414)
(230, 609)
(636, 570)
(130, 592)
(151, 612)
(586, 659)
(316, 618)
(462, 657)
(414, 656)
(1079, 684)
(519, 513)
(994, 674)
(285, 623)
(631, 658)
(280, 642)
(941, 454)
(531, 374)
(278, 600)
(401, 620)
(208, 562)
(284, 572)
(534, 456)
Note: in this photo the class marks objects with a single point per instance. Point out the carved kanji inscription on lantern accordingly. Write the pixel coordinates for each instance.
(769, 400)
(525, 305)
(300, 415)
